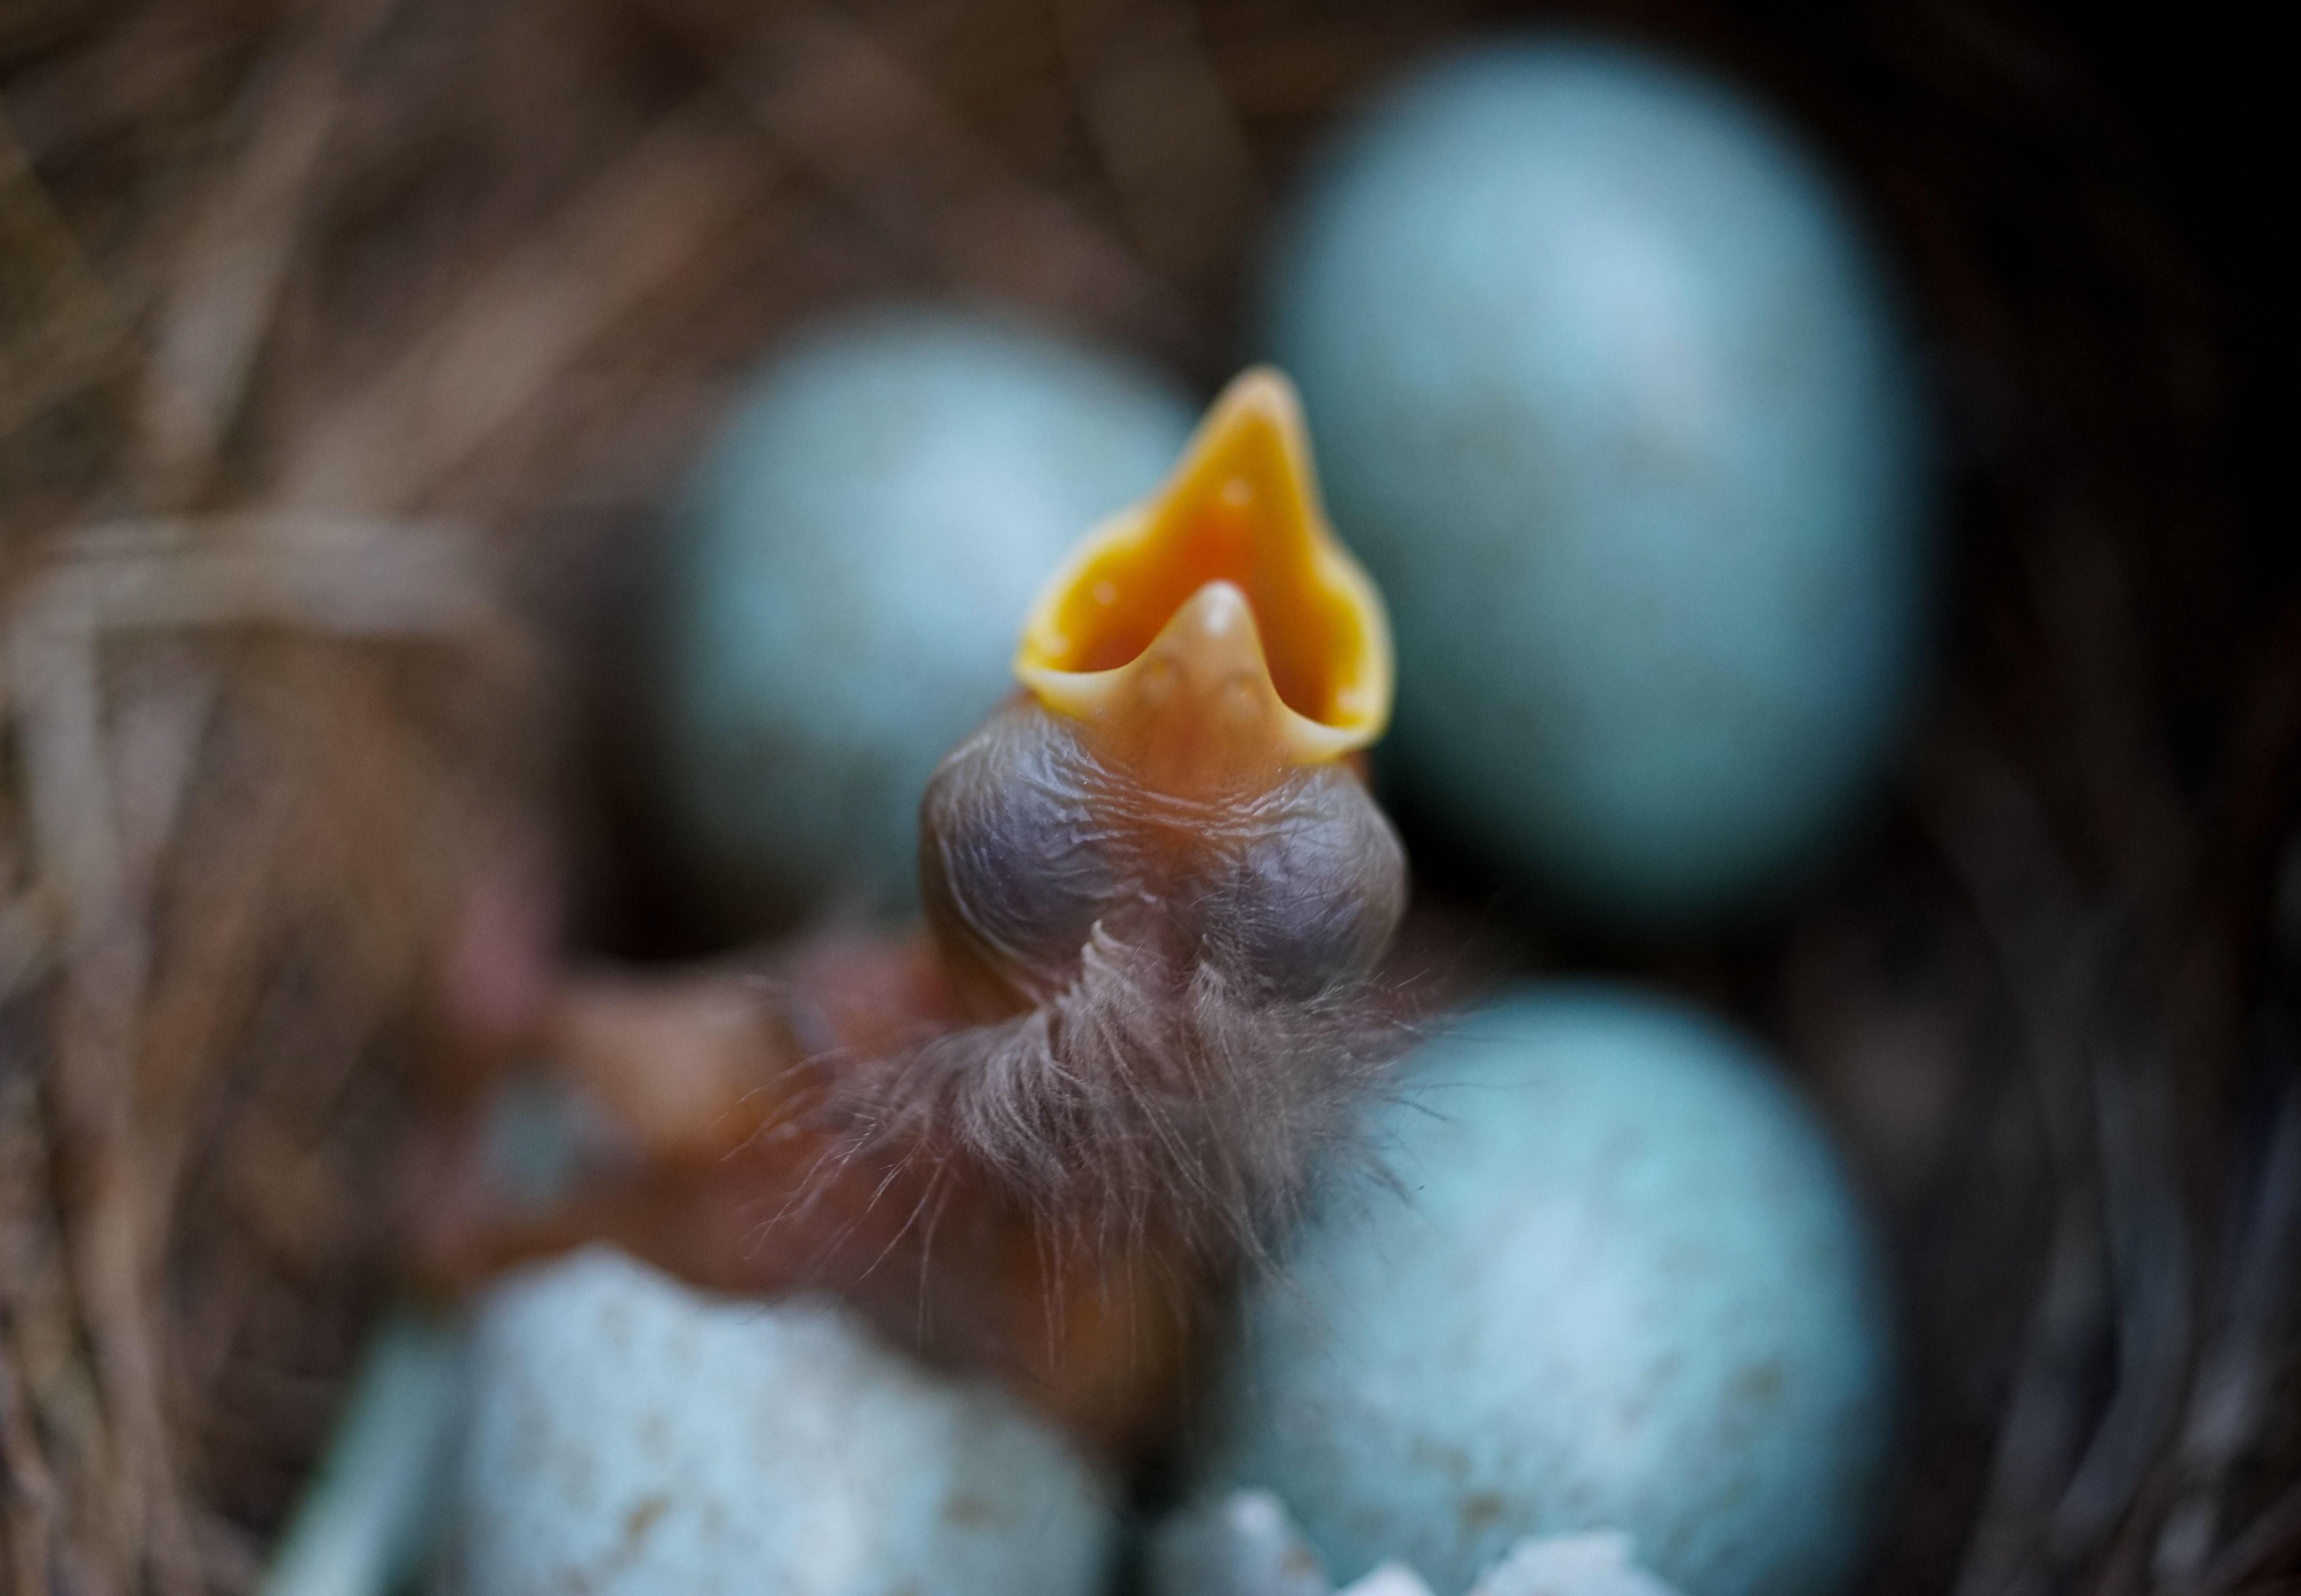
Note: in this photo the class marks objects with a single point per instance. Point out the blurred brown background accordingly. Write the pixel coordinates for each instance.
(348, 350)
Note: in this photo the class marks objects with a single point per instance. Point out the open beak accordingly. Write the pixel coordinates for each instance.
(1216, 634)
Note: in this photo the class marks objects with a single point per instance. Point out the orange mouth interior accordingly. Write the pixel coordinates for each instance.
(1241, 508)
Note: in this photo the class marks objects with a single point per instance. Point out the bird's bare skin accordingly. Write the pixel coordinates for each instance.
(1040, 1136)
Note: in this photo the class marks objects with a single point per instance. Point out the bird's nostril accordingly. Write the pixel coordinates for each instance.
(1158, 681)
(1241, 700)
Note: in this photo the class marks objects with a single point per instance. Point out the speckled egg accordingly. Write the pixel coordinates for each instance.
(1621, 1285)
(630, 1437)
(1614, 399)
(847, 574)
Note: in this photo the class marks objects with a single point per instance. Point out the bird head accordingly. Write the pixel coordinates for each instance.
(1179, 781)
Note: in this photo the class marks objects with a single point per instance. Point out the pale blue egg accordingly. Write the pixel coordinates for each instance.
(1621, 1285)
(627, 1436)
(1612, 396)
(849, 568)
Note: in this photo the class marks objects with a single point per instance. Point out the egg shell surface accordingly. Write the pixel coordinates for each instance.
(847, 577)
(631, 1437)
(1623, 1286)
(1614, 399)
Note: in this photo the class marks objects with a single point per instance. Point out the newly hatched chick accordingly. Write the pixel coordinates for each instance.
(1156, 890)
(1156, 878)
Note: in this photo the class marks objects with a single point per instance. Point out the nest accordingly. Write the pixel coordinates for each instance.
(347, 349)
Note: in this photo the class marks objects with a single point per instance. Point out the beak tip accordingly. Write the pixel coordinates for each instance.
(1263, 393)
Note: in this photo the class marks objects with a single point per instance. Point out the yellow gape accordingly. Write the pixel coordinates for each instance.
(1216, 633)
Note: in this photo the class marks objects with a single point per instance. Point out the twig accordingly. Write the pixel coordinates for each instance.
(514, 334)
(95, 853)
(52, 670)
(1989, 830)
(24, 942)
(859, 123)
(79, 331)
(2230, 1402)
(1164, 129)
(29, 1505)
(2148, 1252)
(2275, 1534)
(225, 904)
(332, 573)
(224, 294)
(153, 746)
(106, 955)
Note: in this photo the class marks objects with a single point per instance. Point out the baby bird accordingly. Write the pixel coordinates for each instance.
(1156, 880)
(1042, 1137)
